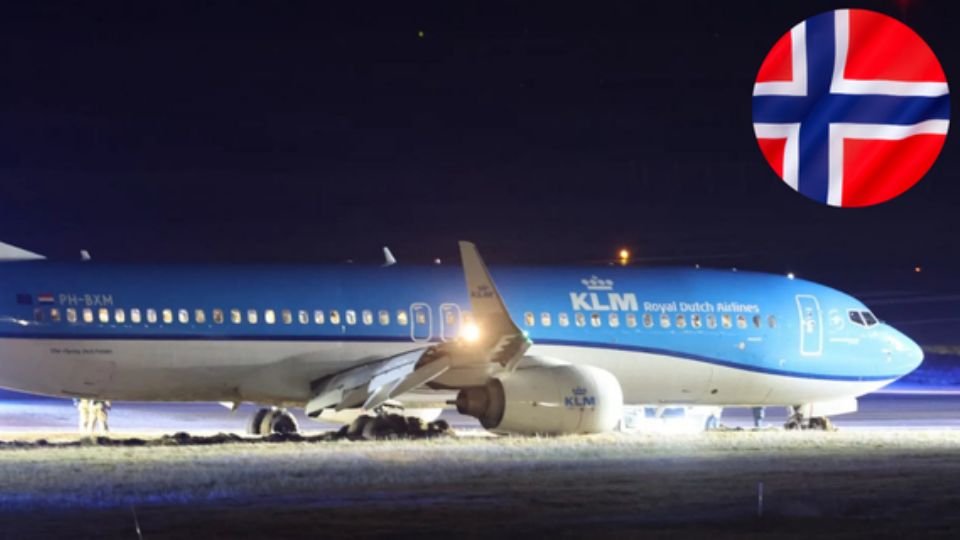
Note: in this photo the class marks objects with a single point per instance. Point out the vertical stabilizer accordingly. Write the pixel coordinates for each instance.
(13, 253)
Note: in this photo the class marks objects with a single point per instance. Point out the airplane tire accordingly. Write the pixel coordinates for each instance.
(821, 423)
(256, 421)
(385, 427)
(283, 423)
(355, 430)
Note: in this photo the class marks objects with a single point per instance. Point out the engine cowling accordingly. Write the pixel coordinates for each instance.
(547, 400)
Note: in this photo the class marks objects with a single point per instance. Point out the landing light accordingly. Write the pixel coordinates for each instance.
(470, 332)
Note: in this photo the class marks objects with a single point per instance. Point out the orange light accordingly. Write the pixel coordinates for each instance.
(917, 269)
(470, 332)
(624, 254)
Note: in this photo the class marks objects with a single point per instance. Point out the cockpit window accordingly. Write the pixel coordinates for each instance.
(856, 318)
(868, 318)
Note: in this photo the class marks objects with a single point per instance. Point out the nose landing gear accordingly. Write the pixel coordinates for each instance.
(271, 421)
(797, 420)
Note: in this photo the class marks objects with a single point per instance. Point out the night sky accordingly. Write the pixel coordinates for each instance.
(546, 133)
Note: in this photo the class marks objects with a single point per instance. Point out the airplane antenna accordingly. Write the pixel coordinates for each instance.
(389, 259)
(84, 255)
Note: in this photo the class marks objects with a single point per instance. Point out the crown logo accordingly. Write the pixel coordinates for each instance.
(579, 391)
(597, 284)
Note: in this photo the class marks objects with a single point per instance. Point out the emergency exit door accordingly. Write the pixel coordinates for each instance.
(449, 321)
(421, 322)
(811, 325)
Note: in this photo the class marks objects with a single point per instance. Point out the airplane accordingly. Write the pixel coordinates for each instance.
(526, 350)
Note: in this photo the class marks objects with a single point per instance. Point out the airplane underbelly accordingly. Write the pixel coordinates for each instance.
(649, 379)
(189, 370)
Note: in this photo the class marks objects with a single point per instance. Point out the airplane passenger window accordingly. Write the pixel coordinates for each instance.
(135, 315)
(303, 316)
(869, 318)
(103, 314)
(71, 315)
(38, 315)
(334, 316)
(269, 316)
(151, 316)
(367, 317)
(318, 316)
(545, 319)
(87, 315)
(647, 320)
(384, 316)
(252, 316)
(631, 320)
(711, 321)
(528, 319)
(696, 321)
(167, 316)
(563, 319)
(402, 319)
(725, 321)
(595, 319)
(614, 320)
(772, 321)
(351, 316)
(54, 315)
(218, 316)
(450, 318)
(421, 317)
(756, 321)
(183, 316)
(119, 316)
(741, 322)
(200, 316)
(856, 318)
(286, 316)
(580, 319)
(664, 320)
(235, 317)
(681, 321)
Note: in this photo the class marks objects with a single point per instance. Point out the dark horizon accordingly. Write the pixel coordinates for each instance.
(546, 134)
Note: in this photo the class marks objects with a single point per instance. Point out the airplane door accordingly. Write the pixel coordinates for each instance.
(421, 322)
(449, 321)
(811, 325)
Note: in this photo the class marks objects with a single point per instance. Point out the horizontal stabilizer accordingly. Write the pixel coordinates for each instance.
(13, 253)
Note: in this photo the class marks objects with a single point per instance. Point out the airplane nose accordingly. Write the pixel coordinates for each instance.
(907, 355)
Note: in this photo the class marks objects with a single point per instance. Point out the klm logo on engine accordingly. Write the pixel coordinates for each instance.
(579, 399)
(600, 297)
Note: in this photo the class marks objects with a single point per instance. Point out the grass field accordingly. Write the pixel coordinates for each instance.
(813, 482)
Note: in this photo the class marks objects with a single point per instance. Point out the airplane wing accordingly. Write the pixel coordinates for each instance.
(498, 344)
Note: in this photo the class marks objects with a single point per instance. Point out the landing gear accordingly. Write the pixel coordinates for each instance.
(798, 420)
(273, 421)
(389, 426)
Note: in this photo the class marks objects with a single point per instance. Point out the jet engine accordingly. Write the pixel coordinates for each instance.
(546, 400)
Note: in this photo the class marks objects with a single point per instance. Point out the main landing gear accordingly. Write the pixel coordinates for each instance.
(389, 422)
(274, 420)
(797, 419)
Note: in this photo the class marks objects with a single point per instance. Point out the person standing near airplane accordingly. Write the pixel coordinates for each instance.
(99, 411)
(83, 413)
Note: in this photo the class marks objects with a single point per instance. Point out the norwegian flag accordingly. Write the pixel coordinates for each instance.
(851, 108)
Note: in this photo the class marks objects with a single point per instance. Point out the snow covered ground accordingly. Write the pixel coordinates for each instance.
(842, 483)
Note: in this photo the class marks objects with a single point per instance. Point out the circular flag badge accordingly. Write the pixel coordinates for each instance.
(851, 108)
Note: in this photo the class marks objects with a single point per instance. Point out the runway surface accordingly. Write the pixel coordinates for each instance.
(901, 408)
